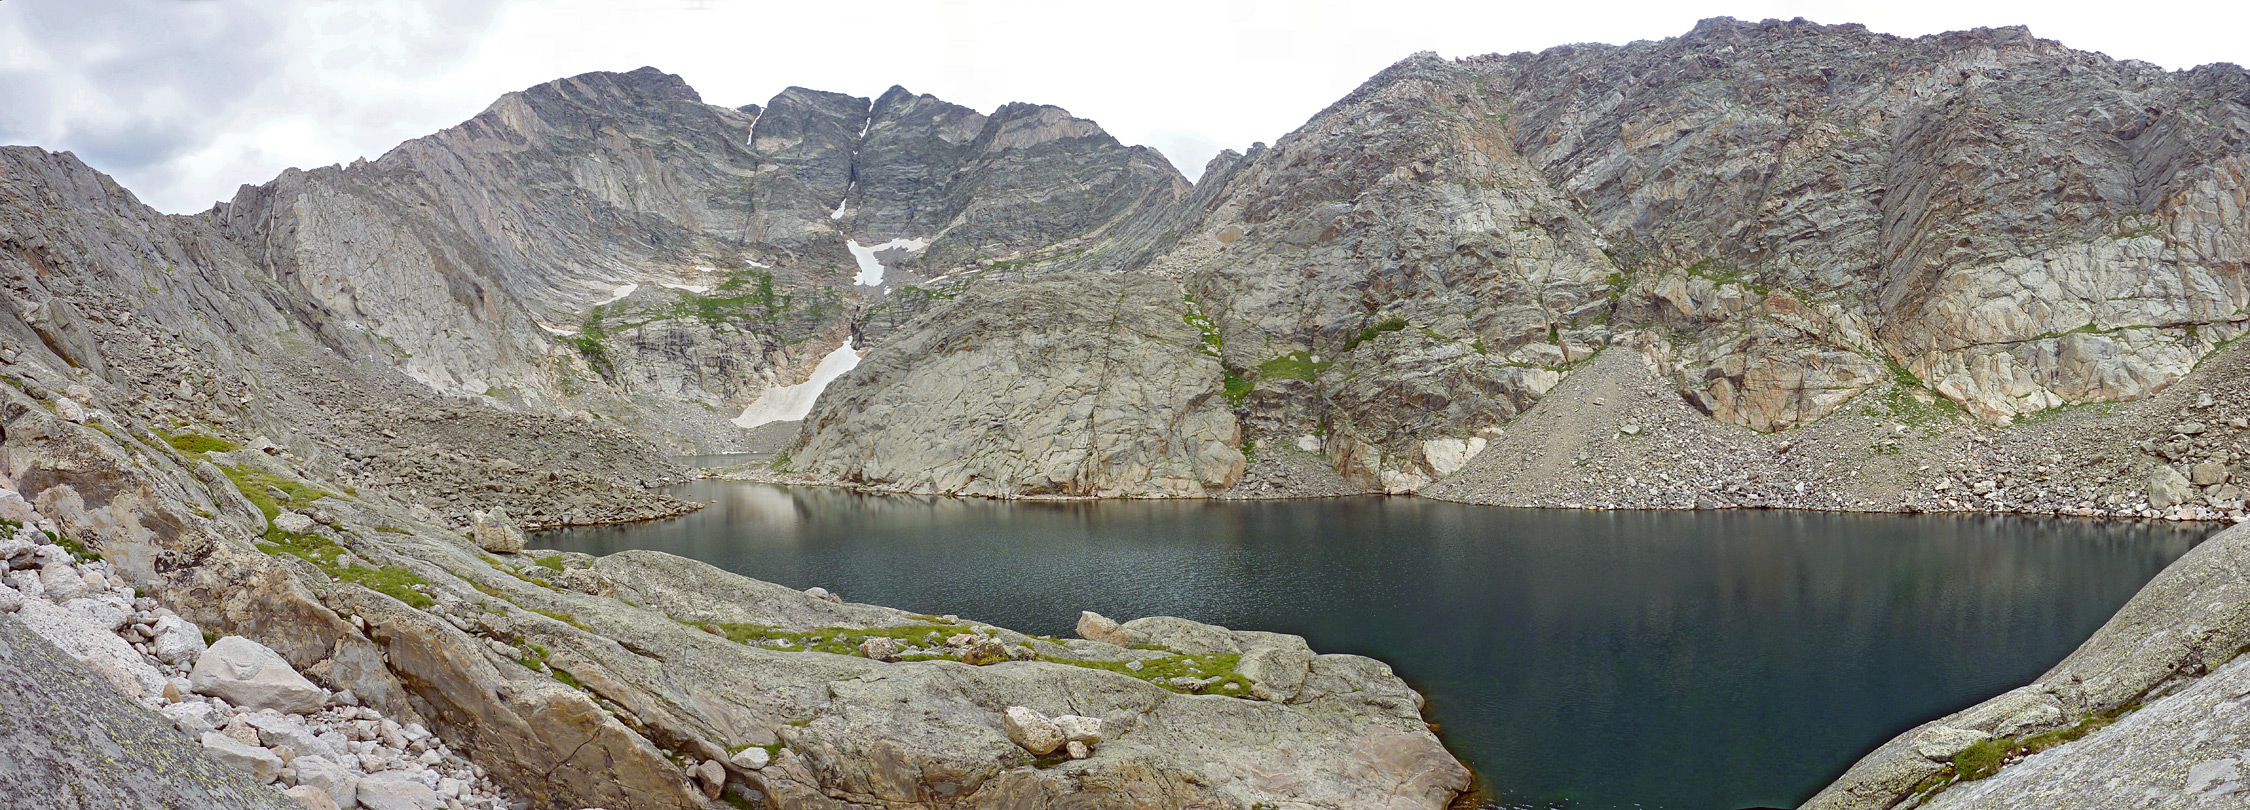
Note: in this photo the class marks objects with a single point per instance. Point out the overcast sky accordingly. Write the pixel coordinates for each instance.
(183, 100)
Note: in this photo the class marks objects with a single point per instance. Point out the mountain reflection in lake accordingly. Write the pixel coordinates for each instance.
(1689, 660)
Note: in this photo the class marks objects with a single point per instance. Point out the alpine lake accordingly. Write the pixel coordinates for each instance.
(1573, 659)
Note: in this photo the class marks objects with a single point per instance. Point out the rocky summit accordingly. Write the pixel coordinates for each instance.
(267, 468)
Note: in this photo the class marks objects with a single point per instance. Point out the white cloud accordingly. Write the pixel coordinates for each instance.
(184, 100)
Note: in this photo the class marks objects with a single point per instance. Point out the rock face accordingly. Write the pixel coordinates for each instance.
(67, 732)
(1426, 259)
(1087, 386)
(2172, 651)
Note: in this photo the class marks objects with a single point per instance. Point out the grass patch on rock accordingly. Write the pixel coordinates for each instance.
(389, 580)
(1292, 366)
(195, 442)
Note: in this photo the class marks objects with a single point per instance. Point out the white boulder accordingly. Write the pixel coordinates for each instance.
(178, 641)
(249, 675)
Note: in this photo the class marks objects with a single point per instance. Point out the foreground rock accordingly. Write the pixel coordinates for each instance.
(2155, 702)
(249, 675)
(67, 731)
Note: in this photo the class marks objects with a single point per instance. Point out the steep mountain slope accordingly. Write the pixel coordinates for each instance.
(170, 409)
(611, 243)
(1780, 219)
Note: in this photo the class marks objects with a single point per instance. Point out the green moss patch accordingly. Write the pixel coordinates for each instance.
(1374, 330)
(1292, 366)
(195, 443)
(1219, 670)
(390, 580)
(253, 484)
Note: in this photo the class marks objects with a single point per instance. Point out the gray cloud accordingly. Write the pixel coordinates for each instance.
(151, 91)
(129, 84)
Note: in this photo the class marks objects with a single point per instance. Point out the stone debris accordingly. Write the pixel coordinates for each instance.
(244, 703)
(1032, 730)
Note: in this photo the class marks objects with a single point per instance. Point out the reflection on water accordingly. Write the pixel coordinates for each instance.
(1594, 659)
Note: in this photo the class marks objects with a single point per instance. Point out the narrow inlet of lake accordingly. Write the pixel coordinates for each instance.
(1597, 660)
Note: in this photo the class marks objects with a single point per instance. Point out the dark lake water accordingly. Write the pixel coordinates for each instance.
(1674, 660)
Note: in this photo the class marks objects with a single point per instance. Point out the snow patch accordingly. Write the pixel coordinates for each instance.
(871, 270)
(839, 212)
(790, 403)
(688, 287)
(553, 329)
(618, 294)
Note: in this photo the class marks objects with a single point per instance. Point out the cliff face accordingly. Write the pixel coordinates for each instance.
(610, 243)
(1781, 219)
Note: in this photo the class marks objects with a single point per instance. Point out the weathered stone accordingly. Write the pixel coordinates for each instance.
(2208, 473)
(880, 648)
(69, 410)
(1942, 743)
(312, 798)
(1079, 729)
(251, 676)
(261, 764)
(66, 727)
(752, 758)
(494, 532)
(177, 640)
(329, 776)
(395, 790)
(2168, 488)
(985, 653)
(1096, 627)
(293, 523)
(1078, 750)
(711, 776)
(1032, 730)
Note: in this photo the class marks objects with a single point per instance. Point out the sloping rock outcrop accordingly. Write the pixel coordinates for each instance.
(1086, 386)
(2144, 713)
(70, 739)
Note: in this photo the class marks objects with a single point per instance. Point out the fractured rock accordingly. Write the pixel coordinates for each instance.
(330, 777)
(312, 798)
(1032, 730)
(494, 532)
(396, 790)
(177, 641)
(1079, 729)
(259, 763)
(2167, 488)
(2208, 473)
